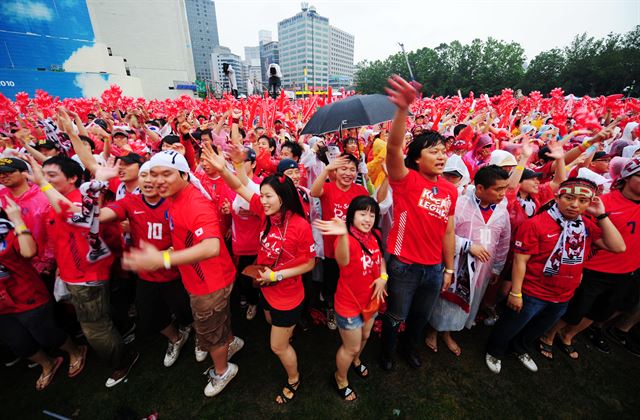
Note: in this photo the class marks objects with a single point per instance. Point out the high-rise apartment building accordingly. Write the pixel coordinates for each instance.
(264, 36)
(341, 66)
(203, 31)
(304, 49)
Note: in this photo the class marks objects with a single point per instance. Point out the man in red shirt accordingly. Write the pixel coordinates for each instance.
(84, 259)
(422, 239)
(610, 280)
(550, 250)
(159, 294)
(335, 198)
(202, 259)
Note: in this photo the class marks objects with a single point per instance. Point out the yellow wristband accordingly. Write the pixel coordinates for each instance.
(518, 295)
(272, 276)
(21, 228)
(384, 276)
(520, 168)
(46, 187)
(586, 143)
(449, 271)
(237, 164)
(166, 259)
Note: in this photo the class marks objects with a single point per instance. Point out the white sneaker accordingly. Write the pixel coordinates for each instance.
(201, 355)
(235, 346)
(173, 349)
(493, 363)
(528, 362)
(251, 312)
(218, 383)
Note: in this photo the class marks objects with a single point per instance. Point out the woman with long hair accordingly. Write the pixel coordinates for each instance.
(286, 251)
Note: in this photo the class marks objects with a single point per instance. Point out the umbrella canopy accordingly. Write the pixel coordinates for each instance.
(354, 111)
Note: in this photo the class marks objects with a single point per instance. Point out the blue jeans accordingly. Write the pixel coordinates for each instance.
(517, 332)
(413, 290)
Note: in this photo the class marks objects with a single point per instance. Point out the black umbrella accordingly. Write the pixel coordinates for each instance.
(354, 111)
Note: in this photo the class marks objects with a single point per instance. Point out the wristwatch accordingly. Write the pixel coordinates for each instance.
(279, 277)
(602, 216)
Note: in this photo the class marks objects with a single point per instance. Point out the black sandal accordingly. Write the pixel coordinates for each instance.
(293, 388)
(360, 370)
(345, 392)
(545, 348)
(567, 348)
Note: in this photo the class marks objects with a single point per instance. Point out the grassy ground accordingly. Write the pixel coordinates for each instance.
(597, 386)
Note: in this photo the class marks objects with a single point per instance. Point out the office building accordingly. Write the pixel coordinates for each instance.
(203, 31)
(264, 36)
(341, 66)
(304, 48)
(314, 54)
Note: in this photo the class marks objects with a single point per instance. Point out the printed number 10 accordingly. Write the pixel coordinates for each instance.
(155, 230)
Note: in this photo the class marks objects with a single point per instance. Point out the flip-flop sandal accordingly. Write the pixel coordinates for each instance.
(45, 381)
(76, 368)
(568, 349)
(360, 370)
(293, 388)
(545, 348)
(345, 392)
(432, 347)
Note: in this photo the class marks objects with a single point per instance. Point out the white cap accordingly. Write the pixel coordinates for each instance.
(146, 167)
(174, 160)
(591, 176)
(502, 158)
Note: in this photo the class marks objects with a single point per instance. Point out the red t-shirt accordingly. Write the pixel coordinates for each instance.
(71, 247)
(625, 215)
(421, 213)
(21, 288)
(192, 219)
(220, 193)
(517, 215)
(537, 237)
(150, 224)
(354, 285)
(287, 246)
(335, 203)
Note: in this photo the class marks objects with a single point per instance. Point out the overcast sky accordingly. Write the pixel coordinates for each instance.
(379, 25)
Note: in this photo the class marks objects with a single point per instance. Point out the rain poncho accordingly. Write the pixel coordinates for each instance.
(374, 167)
(471, 228)
(455, 164)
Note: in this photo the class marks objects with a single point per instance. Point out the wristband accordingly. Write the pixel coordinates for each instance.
(384, 276)
(237, 164)
(518, 295)
(235, 120)
(586, 143)
(23, 232)
(166, 259)
(272, 276)
(449, 271)
(520, 168)
(602, 216)
(21, 228)
(46, 187)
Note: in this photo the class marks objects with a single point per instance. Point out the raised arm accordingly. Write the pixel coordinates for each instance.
(28, 247)
(220, 164)
(402, 94)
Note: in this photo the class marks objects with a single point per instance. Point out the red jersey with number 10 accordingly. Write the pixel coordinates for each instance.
(148, 223)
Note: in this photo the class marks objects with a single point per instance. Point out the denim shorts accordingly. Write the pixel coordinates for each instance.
(346, 323)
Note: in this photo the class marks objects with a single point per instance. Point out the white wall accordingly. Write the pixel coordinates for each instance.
(152, 35)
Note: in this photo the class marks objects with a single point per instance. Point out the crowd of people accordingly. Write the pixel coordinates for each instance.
(516, 212)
